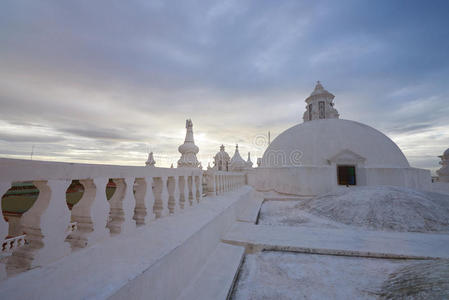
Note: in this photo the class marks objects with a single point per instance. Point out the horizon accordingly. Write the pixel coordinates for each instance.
(108, 82)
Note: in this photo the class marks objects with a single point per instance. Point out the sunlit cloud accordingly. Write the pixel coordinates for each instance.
(103, 82)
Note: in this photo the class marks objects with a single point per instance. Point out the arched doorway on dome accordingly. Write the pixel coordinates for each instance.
(348, 164)
(346, 175)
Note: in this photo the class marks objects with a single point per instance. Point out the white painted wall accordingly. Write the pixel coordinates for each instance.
(307, 180)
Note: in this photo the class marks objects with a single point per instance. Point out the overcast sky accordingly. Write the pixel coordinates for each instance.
(106, 81)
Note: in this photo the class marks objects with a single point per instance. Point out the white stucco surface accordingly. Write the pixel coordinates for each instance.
(157, 261)
(284, 275)
(321, 240)
(318, 141)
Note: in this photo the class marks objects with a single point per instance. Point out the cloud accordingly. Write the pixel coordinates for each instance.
(14, 138)
(104, 81)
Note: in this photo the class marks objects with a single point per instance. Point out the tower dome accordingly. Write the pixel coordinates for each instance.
(221, 160)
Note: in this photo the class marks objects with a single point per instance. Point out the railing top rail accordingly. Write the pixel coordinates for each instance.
(215, 172)
(16, 170)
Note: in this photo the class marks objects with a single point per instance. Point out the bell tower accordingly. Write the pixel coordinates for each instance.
(320, 105)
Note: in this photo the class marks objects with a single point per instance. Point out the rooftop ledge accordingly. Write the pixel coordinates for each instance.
(167, 250)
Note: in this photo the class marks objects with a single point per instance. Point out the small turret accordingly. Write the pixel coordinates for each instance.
(249, 163)
(150, 161)
(188, 150)
(222, 160)
(237, 162)
(320, 105)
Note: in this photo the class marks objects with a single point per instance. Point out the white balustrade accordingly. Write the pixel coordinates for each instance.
(219, 182)
(141, 195)
(45, 225)
(4, 187)
(12, 243)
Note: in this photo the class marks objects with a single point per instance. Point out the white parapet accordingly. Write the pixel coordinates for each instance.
(219, 182)
(54, 231)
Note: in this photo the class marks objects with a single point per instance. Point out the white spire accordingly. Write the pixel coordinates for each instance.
(150, 161)
(188, 150)
(320, 105)
(249, 163)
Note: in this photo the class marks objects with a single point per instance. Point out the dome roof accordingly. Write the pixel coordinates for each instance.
(222, 154)
(318, 142)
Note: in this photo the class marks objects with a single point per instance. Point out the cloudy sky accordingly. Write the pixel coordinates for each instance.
(106, 81)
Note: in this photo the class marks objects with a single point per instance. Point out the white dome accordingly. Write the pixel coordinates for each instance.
(316, 142)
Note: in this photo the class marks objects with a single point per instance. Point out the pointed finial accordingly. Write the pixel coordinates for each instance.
(150, 161)
(171, 166)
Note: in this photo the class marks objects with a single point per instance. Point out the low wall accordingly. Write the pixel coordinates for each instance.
(415, 178)
(155, 262)
(293, 180)
(53, 230)
(439, 187)
(310, 181)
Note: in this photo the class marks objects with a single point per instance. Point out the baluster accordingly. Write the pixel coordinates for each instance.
(164, 196)
(200, 186)
(4, 187)
(211, 184)
(45, 225)
(129, 204)
(140, 210)
(160, 197)
(177, 194)
(90, 213)
(158, 204)
(149, 200)
(197, 189)
(122, 206)
(190, 187)
(182, 192)
(171, 186)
